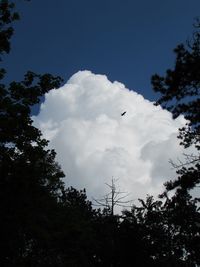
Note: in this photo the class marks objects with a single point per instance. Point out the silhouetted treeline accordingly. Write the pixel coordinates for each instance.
(43, 223)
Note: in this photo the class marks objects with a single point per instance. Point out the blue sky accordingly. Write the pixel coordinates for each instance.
(127, 40)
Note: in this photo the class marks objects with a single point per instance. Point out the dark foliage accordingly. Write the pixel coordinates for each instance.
(7, 16)
(179, 92)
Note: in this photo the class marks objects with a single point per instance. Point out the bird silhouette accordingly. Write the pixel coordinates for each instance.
(122, 114)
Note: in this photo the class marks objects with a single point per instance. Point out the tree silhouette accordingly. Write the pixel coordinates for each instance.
(7, 16)
(30, 179)
(113, 198)
(179, 92)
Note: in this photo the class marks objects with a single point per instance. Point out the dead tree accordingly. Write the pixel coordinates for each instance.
(113, 198)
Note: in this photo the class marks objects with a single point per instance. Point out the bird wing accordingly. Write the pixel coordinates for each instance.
(123, 113)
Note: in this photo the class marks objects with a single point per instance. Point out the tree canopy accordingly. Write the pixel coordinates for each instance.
(179, 92)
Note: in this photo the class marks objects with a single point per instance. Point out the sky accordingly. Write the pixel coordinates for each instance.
(106, 51)
(127, 40)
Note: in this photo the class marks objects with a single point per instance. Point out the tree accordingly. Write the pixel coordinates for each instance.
(112, 199)
(7, 16)
(179, 92)
(75, 237)
(30, 179)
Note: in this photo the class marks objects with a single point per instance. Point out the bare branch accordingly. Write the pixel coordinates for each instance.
(113, 198)
(189, 160)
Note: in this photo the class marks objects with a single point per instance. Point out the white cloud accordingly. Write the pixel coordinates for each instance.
(94, 142)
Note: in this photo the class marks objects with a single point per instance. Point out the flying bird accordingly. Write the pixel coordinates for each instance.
(122, 114)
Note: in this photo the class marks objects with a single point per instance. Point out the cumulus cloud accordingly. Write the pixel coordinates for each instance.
(94, 142)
